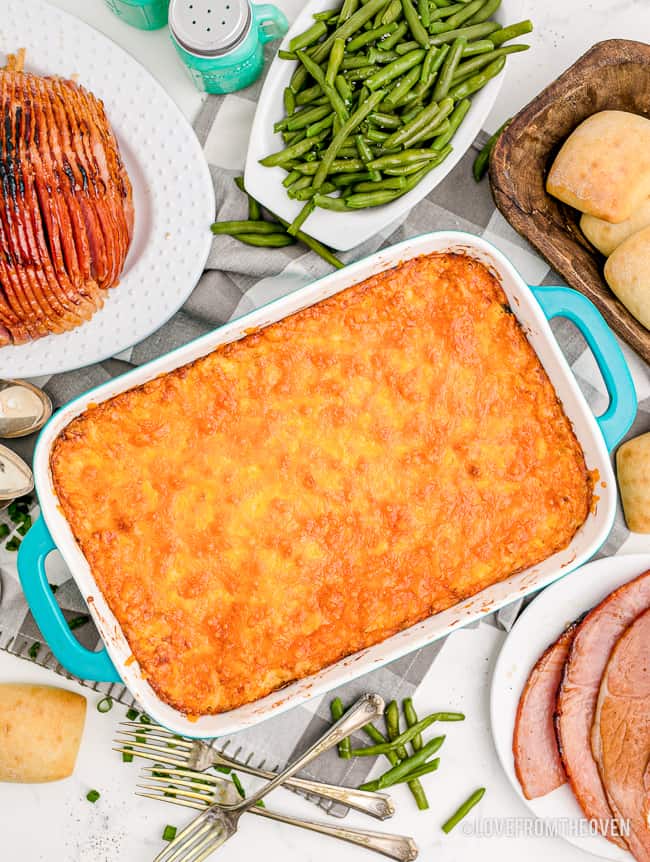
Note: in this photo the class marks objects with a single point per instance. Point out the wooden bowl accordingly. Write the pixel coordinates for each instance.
(612, 75)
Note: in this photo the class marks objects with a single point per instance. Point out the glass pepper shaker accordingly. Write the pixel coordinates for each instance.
(222, 41)
(144, 14)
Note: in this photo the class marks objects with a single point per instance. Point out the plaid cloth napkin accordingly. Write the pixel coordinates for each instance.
(237, 279)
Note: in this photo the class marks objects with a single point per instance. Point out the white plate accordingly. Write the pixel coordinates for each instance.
(540, 624)
(346, 230)
(172, 190)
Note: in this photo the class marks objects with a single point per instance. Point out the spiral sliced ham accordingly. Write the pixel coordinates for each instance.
(621, 734)
(578, 693)
(66, 209)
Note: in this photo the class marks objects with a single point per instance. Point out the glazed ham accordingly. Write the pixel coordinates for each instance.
(578, 693)
(537, 759)
(66, 210)
(621, 733)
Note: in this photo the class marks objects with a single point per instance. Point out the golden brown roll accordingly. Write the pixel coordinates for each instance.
(633, 468)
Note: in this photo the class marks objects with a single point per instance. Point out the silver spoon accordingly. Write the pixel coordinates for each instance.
(24, 408)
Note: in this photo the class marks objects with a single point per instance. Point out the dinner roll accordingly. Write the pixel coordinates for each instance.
(627, 272)
(603, 168)
(607, 236)
(633, 468)
(40, 732)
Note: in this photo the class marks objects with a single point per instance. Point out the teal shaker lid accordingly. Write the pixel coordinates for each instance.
(209, 28)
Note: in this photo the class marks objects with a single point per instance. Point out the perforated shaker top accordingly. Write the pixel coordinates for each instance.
(209, 27)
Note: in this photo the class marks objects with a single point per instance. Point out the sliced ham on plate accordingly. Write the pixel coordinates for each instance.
(621, 734)
(537, 759)
(578, 694)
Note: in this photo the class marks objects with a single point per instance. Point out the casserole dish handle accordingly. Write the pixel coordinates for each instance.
(615, 422)
(81, 662)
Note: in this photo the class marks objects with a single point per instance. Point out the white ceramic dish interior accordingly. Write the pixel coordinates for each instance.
(346, 230)
(540, 624)
(584, 545)
(173, 194)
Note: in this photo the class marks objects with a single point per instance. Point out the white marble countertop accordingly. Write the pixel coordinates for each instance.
(55, 823)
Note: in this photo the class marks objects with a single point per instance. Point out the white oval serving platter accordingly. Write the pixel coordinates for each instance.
(172, 189)
(538, 626)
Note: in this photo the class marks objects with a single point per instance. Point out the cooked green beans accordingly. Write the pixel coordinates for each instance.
(337, 710)
(412, 719)
(464, 810)
(379, 90)
(233, 228)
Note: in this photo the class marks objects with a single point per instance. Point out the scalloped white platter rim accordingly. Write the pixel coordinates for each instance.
(539, 625)
(345, 230)
(173, 194)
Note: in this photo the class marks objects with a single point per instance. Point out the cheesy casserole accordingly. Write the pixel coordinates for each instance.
(319, 485)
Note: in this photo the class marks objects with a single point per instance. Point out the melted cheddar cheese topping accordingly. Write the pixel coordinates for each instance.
(324, 483)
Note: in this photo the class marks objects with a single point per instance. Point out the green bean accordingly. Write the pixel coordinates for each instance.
(418, 32)
(386, 121)
(348, 9)
(402, 770)
(338, 166)
(375, 136)
(395, 69)
(411, 719)
(309, 37)
(292, 152)
(289, 101)
(393, 12)
(424, 11)
(485, 12)
(355, 61)
(326, 16)
(445, 11)
(305, 118)
(431, 766)
(331, 92)
(408, 735)
(422, 119)
(463, 15)
(366, 155)
(392, 183)
(303, 215)
(394, 38)
(290, 178)
(378, 737)
(505, 34)
(329, 203)
(360, 74)
(427, 132)
(474, 31)
(448, 68)
(316, 128)
(464, 810)
(272, 240)
(353, 24)
(371, 36)
(407, 157)
(391, 717)
(299, 184)
(343, 88)
(478, 81)
(342, 180)
(371, 199)
(337, 709)
(346, 129)
(308, 95)
(406, 47)
(455, 119)
(232, 228)
(286, 55)
(481, 162)
(335, 60)
(426, 66)
(404, 170)
(314, 245)
(402, 88)
(380, 58)
(254, 209)
(481, 46)
(438, 60)
(470, 66)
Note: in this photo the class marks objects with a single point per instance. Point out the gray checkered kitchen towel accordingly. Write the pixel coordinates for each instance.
(238, 279)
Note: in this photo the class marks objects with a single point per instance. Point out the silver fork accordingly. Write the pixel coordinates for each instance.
(180, 787)
(218, 823)
(153, 742)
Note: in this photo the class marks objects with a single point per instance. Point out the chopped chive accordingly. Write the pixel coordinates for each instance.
(77, 622)
(144, 719)
(169, 833)
(225, 769)
(240, 787)
(13, 544)
(132, 714)
(54, 588)
(4, 531)
(105, 704)
(34, 649)
(92, 796)
(25, 526)
(126, 757)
